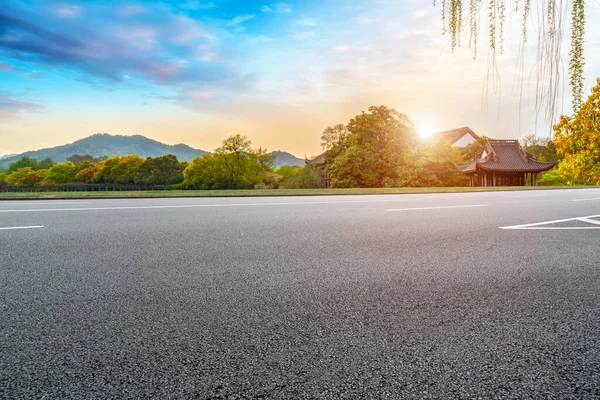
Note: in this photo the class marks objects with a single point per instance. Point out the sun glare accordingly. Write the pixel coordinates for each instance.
(424, 131)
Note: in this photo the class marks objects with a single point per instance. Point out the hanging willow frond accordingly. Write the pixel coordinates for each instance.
(577, 61)
(550, 27)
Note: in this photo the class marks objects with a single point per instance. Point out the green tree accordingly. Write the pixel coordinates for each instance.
(61, 173)
(234, 155)
(373, 150)
(333, 136)
(577, 142)
(26, 177)
(24, 162)
(46, 163)
(125, 171)
(205, 172)
(162, 170)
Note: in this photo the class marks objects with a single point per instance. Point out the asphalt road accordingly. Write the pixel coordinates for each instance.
(389, 296)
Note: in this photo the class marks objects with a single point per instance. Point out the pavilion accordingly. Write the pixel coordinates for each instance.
(504, 163)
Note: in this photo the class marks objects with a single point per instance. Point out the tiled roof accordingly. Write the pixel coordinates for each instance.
(506, 156)
(454, 135)
(318, 160)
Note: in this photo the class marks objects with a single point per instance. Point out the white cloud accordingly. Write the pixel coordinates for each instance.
(283, 8)
(68, 11)
(305, 22)
(341, 49)
(260, 39)
(240, 19)
(279, 8)
(304, 35)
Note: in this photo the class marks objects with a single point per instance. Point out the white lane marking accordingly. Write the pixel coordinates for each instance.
(21, 227)
(596, 198)
(540, 225)
(435, 208)
(33, 202)
(524, 196)
(195, 206)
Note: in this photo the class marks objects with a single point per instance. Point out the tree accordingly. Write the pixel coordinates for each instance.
(125, 171)
(333, 136)
(24, 162)
(235, 165)
(26, 177)
(78, 159)
(549, 32)
(86, 175)
(373, 150)
(104, 171)
(46, 163)
(234, 153)
(162, 170)
(61, 173)
(205, 172)
(577, 142)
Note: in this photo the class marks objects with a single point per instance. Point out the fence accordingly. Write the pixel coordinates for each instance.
(84, 187)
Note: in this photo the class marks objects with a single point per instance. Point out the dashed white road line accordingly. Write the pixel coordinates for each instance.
(435, 208)
(7, 228)
(525, 196)
(34, 202)
(596, 198)
(158, 207)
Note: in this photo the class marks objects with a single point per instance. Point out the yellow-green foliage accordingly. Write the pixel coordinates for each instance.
(577, 143)
(61, 173)
(26, 177)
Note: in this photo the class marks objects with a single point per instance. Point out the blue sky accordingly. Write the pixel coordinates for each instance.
(278, 72)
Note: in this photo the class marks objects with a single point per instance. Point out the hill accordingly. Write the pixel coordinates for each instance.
(103, 144)
(285, 158)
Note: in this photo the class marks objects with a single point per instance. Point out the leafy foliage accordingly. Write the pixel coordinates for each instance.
(577, 142)
(235, 165)
(371, 152)
(61, 173)
(164, 170)
(26, 176)
(32, 163)
(307, 177)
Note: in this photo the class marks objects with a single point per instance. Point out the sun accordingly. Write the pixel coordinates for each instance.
(424, 131)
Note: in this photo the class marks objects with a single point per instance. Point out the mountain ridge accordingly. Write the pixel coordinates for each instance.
(104, 144)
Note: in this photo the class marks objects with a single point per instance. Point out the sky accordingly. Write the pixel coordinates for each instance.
(196, 72)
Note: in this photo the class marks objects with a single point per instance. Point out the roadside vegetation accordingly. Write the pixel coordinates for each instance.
(375, 149)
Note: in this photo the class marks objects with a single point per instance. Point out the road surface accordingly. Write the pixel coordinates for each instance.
(470, 295)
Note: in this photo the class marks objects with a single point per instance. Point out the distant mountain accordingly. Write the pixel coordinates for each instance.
(285, 158)
(103, 144)
(6, 156)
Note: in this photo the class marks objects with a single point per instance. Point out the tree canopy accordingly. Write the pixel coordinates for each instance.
(577, 142)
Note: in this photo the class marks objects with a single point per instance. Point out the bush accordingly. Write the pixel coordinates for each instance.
(308, 177)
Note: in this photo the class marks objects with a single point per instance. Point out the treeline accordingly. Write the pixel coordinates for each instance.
(380, 148)
(234, 165)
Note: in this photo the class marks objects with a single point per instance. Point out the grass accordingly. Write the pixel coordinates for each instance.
(263, 192)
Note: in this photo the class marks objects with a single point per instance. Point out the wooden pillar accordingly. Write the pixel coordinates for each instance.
(494, 178)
